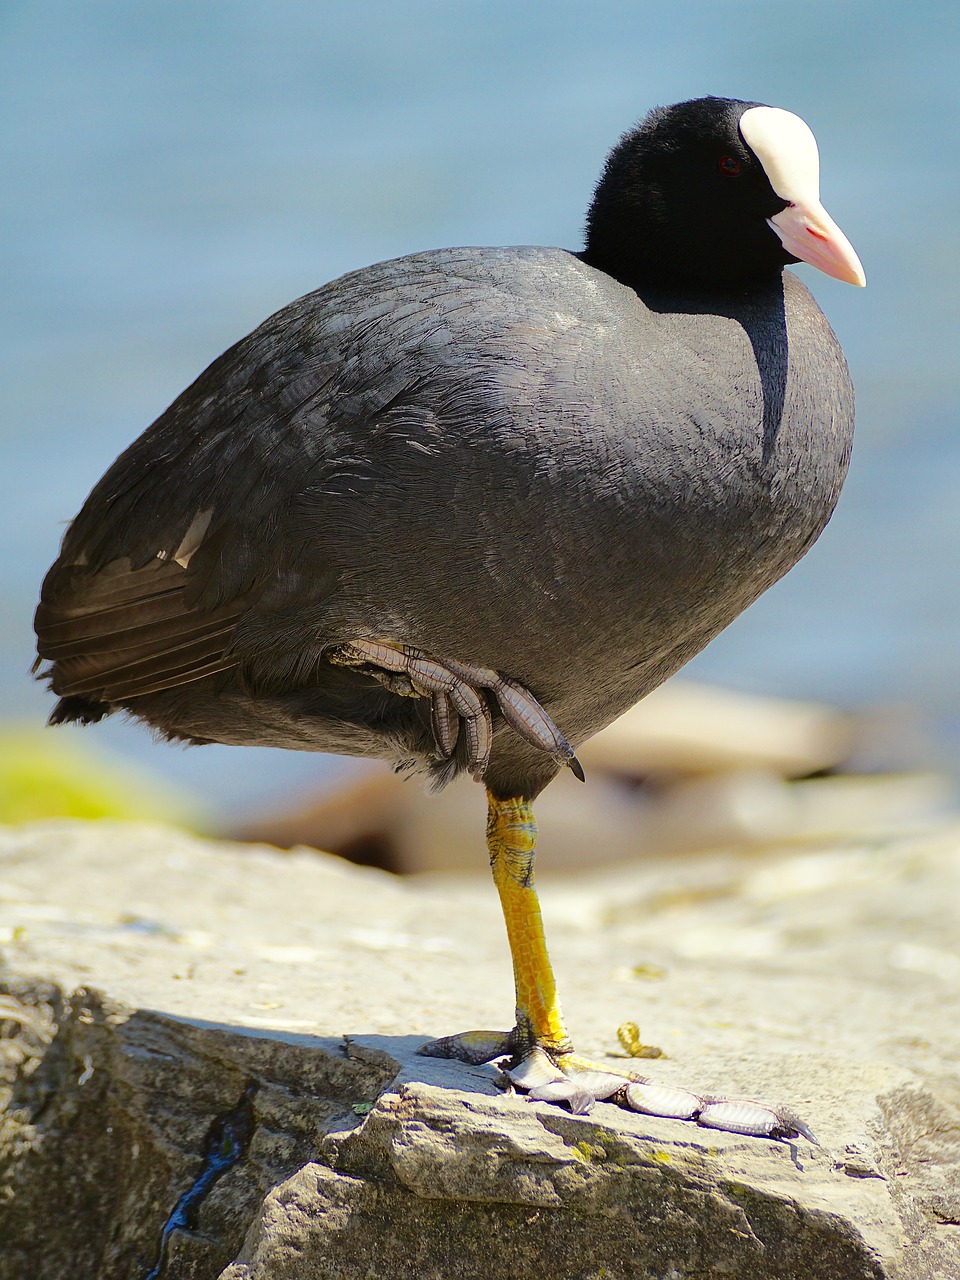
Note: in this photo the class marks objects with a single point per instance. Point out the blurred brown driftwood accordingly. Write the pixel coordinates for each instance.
(690, 767)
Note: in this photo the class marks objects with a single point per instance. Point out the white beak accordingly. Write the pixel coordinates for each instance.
(787, 150)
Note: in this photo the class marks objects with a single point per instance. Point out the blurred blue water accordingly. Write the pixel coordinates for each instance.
(173, 173)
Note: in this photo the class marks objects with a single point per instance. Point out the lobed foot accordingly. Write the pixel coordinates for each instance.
(578, 1082)
(457, 703)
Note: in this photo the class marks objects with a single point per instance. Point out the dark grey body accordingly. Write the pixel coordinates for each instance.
(501, 456)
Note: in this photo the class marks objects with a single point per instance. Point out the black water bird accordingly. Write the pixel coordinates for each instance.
(464, 508)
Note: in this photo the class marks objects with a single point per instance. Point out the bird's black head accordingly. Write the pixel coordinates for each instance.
(685, 200)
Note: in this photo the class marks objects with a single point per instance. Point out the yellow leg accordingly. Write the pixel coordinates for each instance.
(542, 1061)
(512, 840)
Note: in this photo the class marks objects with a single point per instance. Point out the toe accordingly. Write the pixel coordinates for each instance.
(599, 1084)
(473, 1047)
(754, 1119)
(579, 1083)
(543, 1081)
(665, 1100)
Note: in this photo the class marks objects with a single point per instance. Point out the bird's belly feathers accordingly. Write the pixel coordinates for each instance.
(590, 575)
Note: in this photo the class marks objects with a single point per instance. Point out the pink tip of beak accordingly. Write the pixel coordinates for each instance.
(810, 234)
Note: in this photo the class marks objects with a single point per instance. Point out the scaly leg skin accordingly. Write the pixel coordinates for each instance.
(543, 1062)
(456, 692)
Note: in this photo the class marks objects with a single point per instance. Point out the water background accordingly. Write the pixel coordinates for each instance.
(171, 174)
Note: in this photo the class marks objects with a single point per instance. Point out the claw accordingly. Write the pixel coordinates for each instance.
(791, 1126)
(737, 1115)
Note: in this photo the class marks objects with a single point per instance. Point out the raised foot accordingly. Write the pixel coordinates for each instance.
(569, 1078)
(458, 700)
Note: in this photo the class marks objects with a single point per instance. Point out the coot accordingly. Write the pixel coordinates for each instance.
(464, 508)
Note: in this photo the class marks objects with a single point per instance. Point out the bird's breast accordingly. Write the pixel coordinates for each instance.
(604, 522)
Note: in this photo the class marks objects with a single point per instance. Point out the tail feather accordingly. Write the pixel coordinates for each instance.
(77, 711)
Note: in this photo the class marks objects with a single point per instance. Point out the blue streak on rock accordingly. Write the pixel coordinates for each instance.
(227, 1139)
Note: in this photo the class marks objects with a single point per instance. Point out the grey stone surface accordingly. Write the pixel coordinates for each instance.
(210, 1071)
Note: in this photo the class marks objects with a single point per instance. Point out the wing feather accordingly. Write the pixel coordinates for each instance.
(122, 632)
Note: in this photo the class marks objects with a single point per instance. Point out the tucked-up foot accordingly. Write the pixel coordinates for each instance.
(458, 700)
(578, 1082)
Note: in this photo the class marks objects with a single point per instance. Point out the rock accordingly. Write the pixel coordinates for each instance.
(210, 1070)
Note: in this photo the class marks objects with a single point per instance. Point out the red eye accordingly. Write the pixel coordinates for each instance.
(730, 166)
